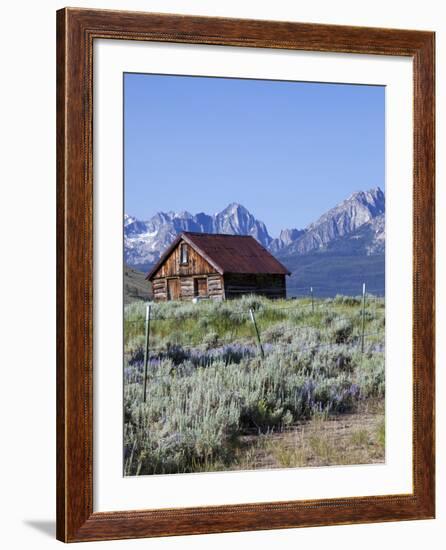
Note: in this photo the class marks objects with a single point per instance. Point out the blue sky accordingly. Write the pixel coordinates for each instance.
(287, 151)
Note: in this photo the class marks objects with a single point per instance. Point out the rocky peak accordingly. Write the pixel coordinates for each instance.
(146, 240)
(358, 209)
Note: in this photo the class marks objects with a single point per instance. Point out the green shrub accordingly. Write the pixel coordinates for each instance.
(203, 392)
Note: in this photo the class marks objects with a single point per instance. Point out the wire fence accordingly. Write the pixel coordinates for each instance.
(317, 307)
(209, 354)
(303, 291)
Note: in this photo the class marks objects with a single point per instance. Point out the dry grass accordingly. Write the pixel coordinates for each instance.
(357, 438)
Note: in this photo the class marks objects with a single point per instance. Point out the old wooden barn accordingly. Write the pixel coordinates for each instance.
(218, 267)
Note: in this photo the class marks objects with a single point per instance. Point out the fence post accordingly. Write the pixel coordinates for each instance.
(363, 317)
(147, 347)
(253, 319)
(312, 299)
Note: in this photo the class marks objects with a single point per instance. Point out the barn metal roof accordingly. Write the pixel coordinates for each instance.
(228, 254)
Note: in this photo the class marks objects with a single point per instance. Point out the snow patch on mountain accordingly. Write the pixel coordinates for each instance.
(144, 241)
(357, 225)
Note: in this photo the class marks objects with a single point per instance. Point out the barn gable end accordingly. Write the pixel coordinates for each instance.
(183, 274)
(172, 266)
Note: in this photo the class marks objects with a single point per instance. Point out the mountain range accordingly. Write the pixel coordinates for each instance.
(353, 230)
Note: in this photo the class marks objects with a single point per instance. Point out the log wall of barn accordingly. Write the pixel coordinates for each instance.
(215, 288)
(271, 286)
(159, 289)
(186, 288)
(232, 286)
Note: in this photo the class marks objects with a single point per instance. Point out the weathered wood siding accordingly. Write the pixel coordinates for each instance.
(159, 288)
(217, 287)
(188, 288)
(272, 286)
(196, 267)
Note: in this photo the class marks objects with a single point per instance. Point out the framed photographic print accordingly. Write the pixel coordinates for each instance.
(245, 275)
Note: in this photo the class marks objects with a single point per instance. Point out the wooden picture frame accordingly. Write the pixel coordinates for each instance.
(76, 31)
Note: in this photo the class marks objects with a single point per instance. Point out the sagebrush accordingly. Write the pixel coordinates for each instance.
(208, 384)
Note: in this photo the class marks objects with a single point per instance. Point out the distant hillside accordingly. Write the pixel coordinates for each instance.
(334, 274)
(135, 286)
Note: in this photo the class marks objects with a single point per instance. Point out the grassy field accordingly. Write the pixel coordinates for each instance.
(215, 403)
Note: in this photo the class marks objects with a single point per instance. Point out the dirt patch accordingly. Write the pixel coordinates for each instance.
(346, 439)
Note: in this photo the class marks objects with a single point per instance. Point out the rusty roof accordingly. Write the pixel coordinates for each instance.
(228, 254)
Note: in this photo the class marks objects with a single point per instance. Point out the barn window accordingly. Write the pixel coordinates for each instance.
(184, 254)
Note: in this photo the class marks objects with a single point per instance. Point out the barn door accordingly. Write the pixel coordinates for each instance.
(201, 286)
(173, 289)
